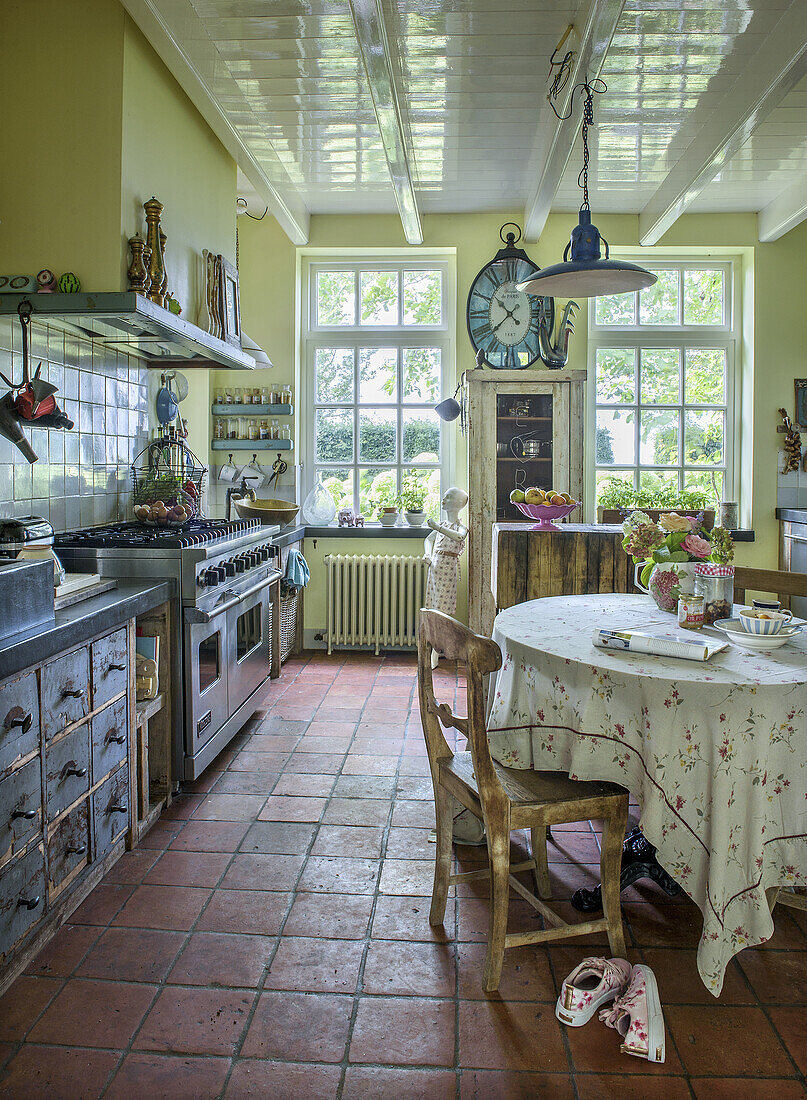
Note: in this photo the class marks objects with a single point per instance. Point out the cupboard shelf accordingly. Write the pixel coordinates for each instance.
(252, 410)
(251, 444)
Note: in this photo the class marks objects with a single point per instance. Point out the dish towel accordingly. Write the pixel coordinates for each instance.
(297, 573)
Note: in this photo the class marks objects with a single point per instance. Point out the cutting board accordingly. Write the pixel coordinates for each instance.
(81, 586)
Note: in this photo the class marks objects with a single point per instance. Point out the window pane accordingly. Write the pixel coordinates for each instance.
(615, 443)
(378, 432)
(422, 297)
(421, 375)
(336, 304)
(658, 481)
(660, 429)
(703, 297)
(334, 435)
(421, 436)
(709, 482)
(334, 374)
(616, 369)
(705, 376)
(616, 309)
(339, 483)
(658, 305)
(377, 488)
(703, 438)
(660, 382)
(605, 481)
(428, 482)
(378, 376)
(378, 291)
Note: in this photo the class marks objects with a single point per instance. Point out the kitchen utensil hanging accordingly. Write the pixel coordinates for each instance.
(279, 467)
(228, 472)
(254, 472)
(32, 400)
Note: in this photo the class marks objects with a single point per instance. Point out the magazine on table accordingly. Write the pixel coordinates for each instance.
(659, 643)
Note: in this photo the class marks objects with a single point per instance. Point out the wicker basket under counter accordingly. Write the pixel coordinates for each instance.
(290, 609)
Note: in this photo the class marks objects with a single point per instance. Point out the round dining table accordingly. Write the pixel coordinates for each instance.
(714, 752)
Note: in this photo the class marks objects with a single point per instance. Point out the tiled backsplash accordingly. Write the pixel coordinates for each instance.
(82, 476)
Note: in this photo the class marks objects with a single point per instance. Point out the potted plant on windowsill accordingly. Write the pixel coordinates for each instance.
(616, 500)
(412, 497)
(384, 503)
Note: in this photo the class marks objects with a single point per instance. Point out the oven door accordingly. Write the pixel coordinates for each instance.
(206, 661)
(250, 643)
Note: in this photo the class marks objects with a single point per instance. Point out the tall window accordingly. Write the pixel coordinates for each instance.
(663, 363)
(377, 347)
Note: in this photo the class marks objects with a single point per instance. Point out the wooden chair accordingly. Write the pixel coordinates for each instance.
(506, 799)
(783, 585)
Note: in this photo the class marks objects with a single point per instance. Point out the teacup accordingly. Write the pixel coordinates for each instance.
(759, 621)
(767, 605)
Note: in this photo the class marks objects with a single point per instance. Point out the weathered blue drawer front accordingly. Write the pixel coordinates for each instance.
(22, 897)
(65, 691)
(20, 807)
(111, 811)
(19, 718)
(110, 667)
(67, 770)
(109, 739)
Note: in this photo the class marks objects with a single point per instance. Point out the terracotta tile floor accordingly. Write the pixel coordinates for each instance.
(270, 939)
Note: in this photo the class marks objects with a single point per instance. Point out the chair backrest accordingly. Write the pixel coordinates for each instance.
(481, 656)
(782, 584)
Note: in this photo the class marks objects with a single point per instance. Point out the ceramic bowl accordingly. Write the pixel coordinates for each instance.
(763, 623)
(545, 513)
(735, 633)
(267, 510)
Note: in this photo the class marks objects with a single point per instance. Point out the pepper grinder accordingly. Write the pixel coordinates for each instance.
(153, 209)
(138, 274)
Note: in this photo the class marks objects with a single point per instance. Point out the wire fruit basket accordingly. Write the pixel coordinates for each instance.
(167, 483)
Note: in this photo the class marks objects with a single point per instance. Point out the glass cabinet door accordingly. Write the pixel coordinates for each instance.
(523, 447)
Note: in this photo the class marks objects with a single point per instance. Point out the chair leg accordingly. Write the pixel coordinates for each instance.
(613, 835)
(541, 872)
(499, 856)
(443, 808)
(771, 896)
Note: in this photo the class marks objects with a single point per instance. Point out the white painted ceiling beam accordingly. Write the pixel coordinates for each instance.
(371, 34)
(784, 212)
(774, 70)
(204, 77)
(595, 40)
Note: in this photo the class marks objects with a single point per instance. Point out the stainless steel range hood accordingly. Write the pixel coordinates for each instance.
(134, 324)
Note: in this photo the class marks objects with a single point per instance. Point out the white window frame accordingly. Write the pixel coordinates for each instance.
(315, 336)
(727, 335)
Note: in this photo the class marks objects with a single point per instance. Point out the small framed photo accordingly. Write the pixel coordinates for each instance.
(230, 305)
(801, 402)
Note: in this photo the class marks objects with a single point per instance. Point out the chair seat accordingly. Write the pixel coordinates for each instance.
(534, 795)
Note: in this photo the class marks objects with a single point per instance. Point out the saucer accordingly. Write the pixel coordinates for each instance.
(733, 629)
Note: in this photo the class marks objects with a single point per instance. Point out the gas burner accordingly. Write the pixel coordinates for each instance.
(200, 532)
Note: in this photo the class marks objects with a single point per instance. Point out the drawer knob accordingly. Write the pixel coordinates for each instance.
(69, 693)
(22, 720)
(116, 668)
(73, 770)
(117, 740)
(76, 850)
(118, 808)
(28, 903)
(29, 815)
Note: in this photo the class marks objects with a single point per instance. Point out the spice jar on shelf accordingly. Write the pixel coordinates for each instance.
(715, 582)
(263, 431)
(219, 399)
(238, 395)
(285, 395)
(228, 396)
(219, 428)
(265, 396)
(232, 427)
(274, 430)
(285, 432)
(254, 428)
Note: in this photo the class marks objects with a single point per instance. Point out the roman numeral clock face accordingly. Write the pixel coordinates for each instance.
(503, 322)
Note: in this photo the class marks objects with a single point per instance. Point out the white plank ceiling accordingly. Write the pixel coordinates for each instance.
(706, 107)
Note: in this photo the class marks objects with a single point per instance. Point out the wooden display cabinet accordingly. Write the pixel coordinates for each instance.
(525, 427)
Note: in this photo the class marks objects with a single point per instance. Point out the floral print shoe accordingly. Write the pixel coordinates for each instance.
(593, 983)
(637, 1016)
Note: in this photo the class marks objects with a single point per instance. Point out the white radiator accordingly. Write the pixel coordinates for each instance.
(374, 599)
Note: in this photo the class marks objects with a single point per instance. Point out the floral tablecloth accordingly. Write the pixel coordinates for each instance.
(715, 753)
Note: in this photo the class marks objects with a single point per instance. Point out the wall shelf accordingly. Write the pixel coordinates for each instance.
(251, 444)
(252, 410)
(131, 323)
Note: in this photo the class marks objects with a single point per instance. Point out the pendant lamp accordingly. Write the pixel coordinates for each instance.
(583, 274)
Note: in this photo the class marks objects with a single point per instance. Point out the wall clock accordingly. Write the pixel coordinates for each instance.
(505, 323)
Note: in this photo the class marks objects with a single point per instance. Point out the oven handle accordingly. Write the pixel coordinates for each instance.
(796, 538)
(194, 615)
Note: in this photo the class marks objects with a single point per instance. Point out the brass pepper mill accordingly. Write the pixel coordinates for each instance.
(138, 273)
(153, 209)
(164, 283)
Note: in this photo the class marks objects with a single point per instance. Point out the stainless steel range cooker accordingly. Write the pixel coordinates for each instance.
(227, 577)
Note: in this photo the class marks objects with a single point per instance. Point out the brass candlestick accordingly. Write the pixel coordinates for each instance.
(138, 271)
(153, 209)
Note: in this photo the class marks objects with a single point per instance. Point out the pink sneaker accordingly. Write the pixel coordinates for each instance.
(592, 983)
(637, 1016)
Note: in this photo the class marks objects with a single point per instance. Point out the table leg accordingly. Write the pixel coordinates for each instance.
(638, 861)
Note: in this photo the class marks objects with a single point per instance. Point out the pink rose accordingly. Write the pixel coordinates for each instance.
(696, 546)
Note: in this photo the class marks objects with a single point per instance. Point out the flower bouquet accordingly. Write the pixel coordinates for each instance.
(666, 554)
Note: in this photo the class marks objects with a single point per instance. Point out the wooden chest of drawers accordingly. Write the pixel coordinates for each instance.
(65, 746)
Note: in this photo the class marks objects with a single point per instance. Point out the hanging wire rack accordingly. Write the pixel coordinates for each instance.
(167, 483)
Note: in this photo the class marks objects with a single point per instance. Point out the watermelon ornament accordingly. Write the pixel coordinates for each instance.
(69, 283)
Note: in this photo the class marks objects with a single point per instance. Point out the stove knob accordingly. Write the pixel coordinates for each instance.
(200, 580)
(229, 568)
(222, 573)
(264, 552)
(239, 565)
(255, 557)
(211, 577)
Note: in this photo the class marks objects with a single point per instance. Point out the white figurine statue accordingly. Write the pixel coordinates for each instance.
(443, 548)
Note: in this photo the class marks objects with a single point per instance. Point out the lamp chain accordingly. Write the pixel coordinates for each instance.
(588, 88)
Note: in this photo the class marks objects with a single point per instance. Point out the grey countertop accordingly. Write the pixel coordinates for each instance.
(75, 624)
(289, 535)
(792, 515)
